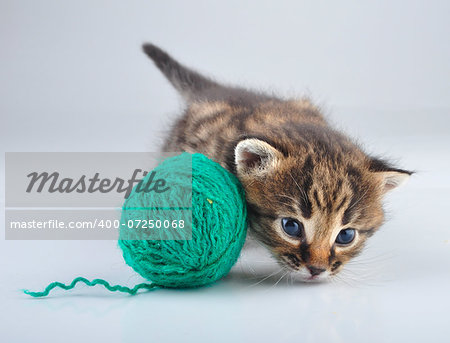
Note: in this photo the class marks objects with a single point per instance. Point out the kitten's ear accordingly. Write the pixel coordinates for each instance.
(255, 157)
(390, 177)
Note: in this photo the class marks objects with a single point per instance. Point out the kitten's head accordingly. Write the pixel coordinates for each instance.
(313, 202)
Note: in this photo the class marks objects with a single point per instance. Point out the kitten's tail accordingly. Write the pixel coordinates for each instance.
(190, 84)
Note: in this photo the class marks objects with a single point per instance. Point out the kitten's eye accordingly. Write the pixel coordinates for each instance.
(346, 236)
(292, 227)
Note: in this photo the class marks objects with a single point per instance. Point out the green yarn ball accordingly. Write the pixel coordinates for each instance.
(218, 221)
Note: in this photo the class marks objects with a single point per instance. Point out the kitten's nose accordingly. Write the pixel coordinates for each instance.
(315, 271)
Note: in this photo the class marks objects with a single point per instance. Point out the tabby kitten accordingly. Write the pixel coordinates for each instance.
(314, 197)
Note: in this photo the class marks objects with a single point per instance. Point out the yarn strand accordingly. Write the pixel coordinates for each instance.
(115, 288)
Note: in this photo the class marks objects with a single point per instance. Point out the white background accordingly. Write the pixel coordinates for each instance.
(73, 78)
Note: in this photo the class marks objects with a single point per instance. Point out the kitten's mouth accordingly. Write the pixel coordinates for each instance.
(315, 279)
(304, 275)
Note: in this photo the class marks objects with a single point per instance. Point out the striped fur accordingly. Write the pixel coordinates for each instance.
(290, 161)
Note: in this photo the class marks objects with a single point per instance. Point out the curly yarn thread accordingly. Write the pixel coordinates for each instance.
(116, 288)
(219, 226)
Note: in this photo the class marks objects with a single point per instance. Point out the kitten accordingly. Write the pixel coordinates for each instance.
(314, 197)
